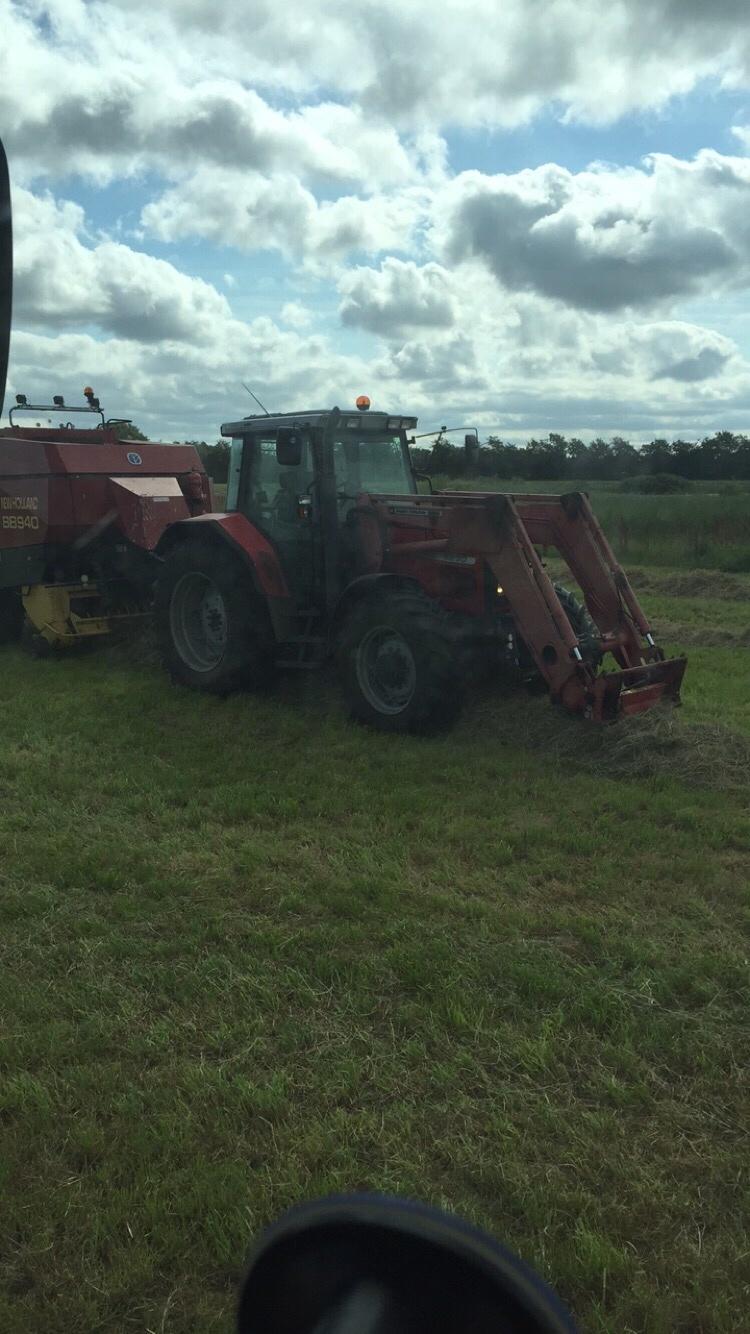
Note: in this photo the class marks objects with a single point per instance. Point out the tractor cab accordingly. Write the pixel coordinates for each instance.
(301, 479)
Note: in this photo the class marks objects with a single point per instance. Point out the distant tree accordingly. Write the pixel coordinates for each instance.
(500, 459)
(215, 458)
(448, 459)
(658, 455)
(599, 461)
(129, 431)
(577, 455)
(546, 459)
(723, 456)
(625, 458)
(685, 458)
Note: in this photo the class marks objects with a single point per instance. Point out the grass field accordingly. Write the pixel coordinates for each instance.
(709, 527)
(251, 953)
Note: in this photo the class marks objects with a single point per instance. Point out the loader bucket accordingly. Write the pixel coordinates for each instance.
(634, 690)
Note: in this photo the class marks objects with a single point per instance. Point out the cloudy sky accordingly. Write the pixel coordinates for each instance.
(530, 215)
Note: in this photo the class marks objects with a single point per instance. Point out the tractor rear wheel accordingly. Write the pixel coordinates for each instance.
(11, 616)
(399, 667)
(212, 627)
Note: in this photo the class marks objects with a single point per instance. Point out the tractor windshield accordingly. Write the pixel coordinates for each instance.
(373, 463)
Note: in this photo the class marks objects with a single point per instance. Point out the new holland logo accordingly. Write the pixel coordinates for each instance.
(134, 458)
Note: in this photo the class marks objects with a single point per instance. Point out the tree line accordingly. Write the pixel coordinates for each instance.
(722, 457)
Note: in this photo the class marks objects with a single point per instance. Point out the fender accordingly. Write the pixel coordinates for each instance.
(253, 549)
(362, 588)
(236, 531)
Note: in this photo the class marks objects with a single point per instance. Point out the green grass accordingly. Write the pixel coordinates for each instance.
(707, 528)
(691, 530)
(251, 953)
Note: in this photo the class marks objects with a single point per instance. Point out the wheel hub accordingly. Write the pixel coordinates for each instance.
(386, 670)
(198, 618)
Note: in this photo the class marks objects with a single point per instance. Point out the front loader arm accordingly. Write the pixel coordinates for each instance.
(505, 531)
(495, 532)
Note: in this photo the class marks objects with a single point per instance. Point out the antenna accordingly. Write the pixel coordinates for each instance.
(255, 396)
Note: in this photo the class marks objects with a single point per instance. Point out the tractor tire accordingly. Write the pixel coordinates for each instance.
(582, 624)
(213, 629)
(11, 616)
(400, 667)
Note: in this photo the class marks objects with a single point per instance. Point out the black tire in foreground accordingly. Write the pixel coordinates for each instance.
(582, 624)
(11, 616)
(400, 667)
(212, 627)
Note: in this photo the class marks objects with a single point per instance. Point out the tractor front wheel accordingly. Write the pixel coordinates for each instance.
(213, 629)
(399, 667)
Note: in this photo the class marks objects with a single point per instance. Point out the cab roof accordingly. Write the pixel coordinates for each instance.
(320, 418)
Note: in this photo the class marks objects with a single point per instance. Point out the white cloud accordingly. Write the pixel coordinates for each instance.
(315, 129)
(255, 212)
(106, 103)
(469, 62)
(119, 88)
(180, 390)
(399, 296)
(520, 362)
(605, 238)
(60, 282)
(295, 315)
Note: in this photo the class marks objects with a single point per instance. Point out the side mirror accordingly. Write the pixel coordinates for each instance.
(374, 1264)
(288, 447)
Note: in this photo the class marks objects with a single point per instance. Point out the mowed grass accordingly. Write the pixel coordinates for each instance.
(251, 954)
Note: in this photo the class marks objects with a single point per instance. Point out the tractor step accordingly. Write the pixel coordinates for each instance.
(309, 649)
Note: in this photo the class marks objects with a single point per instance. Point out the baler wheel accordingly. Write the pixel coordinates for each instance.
(400, 670)
(11, 616)
(213, 629)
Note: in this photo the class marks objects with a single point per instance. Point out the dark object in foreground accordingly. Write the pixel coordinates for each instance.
(6, 272)
(372, 1264)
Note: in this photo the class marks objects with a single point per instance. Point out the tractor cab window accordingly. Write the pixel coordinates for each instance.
(268, 491)
(372, 464)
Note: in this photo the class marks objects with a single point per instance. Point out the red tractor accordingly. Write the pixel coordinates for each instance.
(325, 549)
